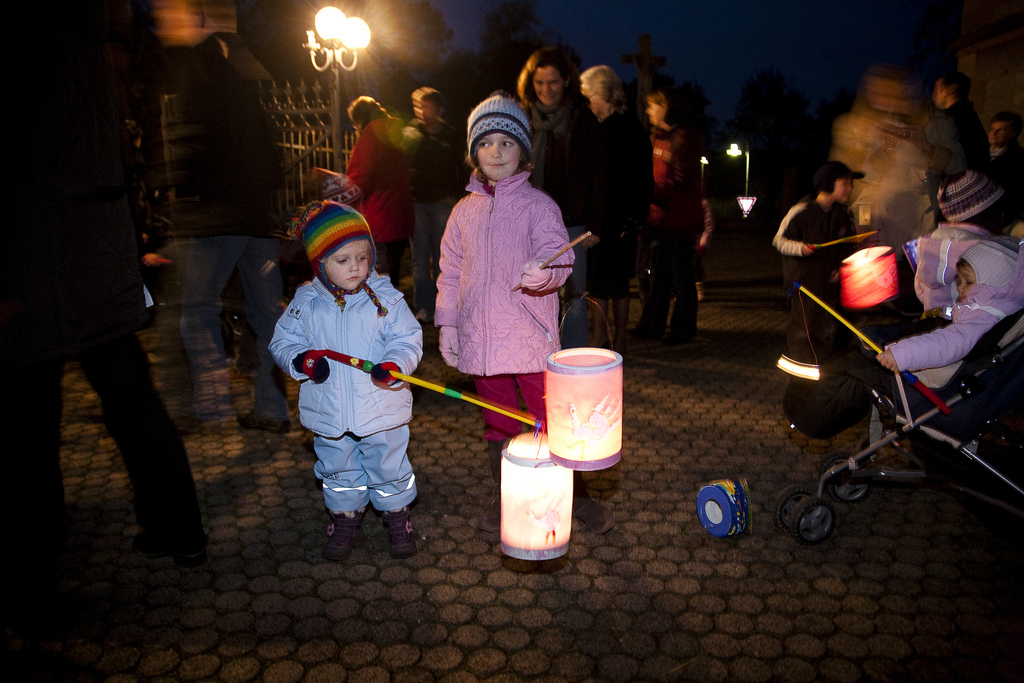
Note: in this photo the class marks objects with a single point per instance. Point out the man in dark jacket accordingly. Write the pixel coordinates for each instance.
(70, 287)
(950, 93)
(225, 180)
(438, 172)
(1006, 167)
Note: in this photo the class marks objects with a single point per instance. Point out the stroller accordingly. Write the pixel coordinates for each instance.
(968, 450)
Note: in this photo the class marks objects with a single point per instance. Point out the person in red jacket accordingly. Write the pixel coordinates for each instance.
(676, 219)
(379, 167)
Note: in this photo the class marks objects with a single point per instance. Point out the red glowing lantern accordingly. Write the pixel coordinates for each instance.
(536, 501)
(869, 277)
(584, 408)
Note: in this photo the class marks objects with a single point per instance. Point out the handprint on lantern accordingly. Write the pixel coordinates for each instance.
(584, 408)
(605, 417)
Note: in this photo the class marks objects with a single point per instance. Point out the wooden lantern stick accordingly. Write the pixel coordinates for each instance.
(559, 253)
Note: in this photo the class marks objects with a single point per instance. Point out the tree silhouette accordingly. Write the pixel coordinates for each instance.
(820, 138)
(772, 123)
(771, 115)
(509, 35)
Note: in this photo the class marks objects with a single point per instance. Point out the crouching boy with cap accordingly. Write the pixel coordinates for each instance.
(813, 336)
(360, 422)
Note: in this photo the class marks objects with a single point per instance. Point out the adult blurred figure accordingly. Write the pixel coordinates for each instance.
(568, 164)
(950, 94)
(676, 218)
(380, 168)
(71, 288)
(884, 136)
(630, 180)
(1006, 165)
(225, 182)
(437, 167)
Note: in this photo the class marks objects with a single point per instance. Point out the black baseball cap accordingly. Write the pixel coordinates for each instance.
(827, 175)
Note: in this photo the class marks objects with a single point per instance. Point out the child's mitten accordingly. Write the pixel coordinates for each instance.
(381, 375)
(313, 364)
(450, 345)
(535, 277)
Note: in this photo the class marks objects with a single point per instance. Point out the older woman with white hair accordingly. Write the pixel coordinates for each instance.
(630, 182)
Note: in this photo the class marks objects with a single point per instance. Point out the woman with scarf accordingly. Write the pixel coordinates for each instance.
(568, 164)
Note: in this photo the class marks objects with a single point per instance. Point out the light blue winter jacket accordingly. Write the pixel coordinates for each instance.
(348, 401)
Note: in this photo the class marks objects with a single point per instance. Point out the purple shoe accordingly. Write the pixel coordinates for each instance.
(400, 538)
(343, 534)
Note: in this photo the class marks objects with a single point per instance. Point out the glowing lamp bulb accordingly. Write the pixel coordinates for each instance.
(355, 34)
(330, 23)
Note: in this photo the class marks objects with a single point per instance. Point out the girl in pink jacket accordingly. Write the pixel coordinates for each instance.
(496, 238)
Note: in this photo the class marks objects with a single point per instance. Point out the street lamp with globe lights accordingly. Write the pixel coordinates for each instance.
(342, 36)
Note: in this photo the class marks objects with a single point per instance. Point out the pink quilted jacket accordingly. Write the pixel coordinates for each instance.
(486, 243)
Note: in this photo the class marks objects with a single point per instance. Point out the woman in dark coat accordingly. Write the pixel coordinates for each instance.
(568, 164)
(630, 182)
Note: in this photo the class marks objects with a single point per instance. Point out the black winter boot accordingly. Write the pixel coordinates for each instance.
(400, 537)
(490, 519)
(590, 511)
(344, 533)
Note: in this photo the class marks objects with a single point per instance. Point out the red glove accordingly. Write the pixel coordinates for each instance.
(313, 364)
(381, 375)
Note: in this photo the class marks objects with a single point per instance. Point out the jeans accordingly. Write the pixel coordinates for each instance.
(575, 328)
(209, 265)
(431, 219)
(672, 271)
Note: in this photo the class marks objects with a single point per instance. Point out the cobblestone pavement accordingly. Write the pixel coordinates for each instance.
(912, 586)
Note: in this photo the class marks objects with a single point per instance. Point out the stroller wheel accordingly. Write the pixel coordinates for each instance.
(812, 520)
(843, 486)
(786, 501)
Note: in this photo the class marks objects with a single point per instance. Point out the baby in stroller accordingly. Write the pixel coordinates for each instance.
(989, 285)
(983, 338)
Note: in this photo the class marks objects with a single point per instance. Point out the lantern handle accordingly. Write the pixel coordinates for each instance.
(911, 378)
(366, 366)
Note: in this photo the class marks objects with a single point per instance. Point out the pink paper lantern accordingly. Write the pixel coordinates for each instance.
(584, 408)
(536, 501)
(869, 277)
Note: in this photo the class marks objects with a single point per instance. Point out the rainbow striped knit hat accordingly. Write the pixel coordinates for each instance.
(325, 227)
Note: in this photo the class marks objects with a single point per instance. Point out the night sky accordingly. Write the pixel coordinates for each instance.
(819, 46)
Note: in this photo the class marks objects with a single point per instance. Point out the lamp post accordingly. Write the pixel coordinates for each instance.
(342, 36)
(703, 163)
(746, 202)
(735, 151)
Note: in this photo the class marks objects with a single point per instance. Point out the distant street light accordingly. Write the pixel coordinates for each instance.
(703, 163)
(342, 36)
(746, 202)
(735, 151)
